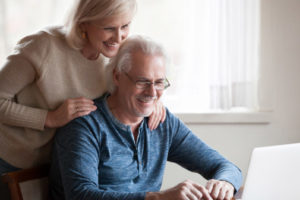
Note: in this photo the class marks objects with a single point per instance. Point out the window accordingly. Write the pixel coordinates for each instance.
(213, 46)
(19, 18)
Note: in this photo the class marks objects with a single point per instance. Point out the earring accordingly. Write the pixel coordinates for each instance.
(83, 35)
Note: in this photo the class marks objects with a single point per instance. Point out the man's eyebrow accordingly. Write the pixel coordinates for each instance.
(141, 78)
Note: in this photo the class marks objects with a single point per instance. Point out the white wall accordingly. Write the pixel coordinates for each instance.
(279, 91)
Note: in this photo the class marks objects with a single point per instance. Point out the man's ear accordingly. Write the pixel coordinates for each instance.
(116, 77)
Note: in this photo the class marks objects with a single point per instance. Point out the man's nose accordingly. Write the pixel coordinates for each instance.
(151, 91)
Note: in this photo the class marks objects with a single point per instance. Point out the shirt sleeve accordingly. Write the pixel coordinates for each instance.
(77, 149)
(19, 71)
(193, 154)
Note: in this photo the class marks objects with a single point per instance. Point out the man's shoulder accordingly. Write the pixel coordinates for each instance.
(100, 101)
(173, 123)
(85, 127)
(171, 117)
(94, 118)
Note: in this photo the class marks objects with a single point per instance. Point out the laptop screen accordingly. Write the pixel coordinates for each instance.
(274, 173)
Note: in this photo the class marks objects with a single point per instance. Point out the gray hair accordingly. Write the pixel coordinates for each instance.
(89, 10)
(122, 62)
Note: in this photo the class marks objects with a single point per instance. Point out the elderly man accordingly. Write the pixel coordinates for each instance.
(112, 154)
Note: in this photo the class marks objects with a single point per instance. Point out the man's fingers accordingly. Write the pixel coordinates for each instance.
(216, 190)
(191, 196)
(228, 195)
(220, 189)
(222, 193)
(210, 185)
(195, 193)
(203, 190)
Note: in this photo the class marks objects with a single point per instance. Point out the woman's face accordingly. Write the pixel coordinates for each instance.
(105, 36)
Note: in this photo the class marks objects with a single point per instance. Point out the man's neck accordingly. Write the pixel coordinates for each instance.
(124, 117)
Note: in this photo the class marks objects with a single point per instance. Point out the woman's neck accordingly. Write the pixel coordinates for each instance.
(89, 53)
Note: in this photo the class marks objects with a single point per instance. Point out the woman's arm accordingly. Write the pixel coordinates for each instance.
(16, 74)
(22, 72)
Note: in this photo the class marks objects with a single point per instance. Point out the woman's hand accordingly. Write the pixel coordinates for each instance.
(158, 115)
(70, 109)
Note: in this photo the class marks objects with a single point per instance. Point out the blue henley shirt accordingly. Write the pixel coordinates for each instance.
(96, 157)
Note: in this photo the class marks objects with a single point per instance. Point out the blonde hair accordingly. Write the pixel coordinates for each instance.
(122, 62)
(89, 10)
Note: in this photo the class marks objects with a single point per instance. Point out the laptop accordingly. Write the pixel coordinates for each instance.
(274, 173)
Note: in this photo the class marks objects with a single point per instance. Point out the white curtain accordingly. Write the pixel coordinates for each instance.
(233, 54)
(219, 66)
(19, 18)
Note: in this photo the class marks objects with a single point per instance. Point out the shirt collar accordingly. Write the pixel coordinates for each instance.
(112, 117)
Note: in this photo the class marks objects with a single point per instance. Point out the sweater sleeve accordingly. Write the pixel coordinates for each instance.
(193, 154)
(77, 152)
(20, 70)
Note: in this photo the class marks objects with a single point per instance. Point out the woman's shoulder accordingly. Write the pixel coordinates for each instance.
(41, 38)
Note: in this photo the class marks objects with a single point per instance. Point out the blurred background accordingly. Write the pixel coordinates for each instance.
(234, 71)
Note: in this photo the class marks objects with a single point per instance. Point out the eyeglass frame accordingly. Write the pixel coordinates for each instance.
(148, 83)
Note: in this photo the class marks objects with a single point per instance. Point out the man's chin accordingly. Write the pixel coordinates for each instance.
(145, 113)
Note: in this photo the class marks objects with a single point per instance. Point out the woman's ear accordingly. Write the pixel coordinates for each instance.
(82, 27)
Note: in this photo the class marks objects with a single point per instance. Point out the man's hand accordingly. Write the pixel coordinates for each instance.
(220, 190)
(187, 190)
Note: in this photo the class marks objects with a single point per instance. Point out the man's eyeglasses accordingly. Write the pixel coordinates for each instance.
(144, 84)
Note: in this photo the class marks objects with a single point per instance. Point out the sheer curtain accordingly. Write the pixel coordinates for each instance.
(213, 45)
(221, 54)
(233, 54)
(214, 49)
(19, 18)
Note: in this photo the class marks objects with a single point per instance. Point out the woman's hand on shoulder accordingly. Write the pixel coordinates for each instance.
(157, 116)
(69, 110)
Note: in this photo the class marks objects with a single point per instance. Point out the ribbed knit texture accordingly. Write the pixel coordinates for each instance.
(42, 72)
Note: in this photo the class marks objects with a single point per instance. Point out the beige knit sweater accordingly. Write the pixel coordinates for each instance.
(41, 73)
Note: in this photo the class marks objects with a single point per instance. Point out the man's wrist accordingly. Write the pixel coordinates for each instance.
(152, 196)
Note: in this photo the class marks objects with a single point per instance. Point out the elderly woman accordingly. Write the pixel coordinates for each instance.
(52, 77)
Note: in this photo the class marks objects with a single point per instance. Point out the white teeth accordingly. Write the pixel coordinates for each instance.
(111, 44)
(147, 99)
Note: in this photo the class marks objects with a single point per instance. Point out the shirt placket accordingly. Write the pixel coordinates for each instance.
(138, 153)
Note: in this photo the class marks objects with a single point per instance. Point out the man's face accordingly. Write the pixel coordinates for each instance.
(140, 102)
